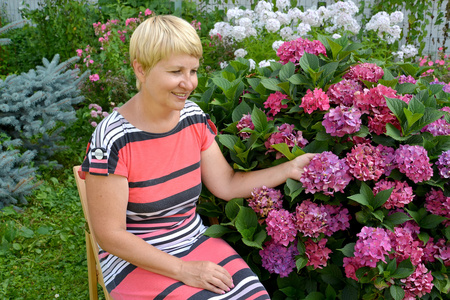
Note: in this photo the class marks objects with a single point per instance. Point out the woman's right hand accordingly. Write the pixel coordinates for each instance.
(206, 275)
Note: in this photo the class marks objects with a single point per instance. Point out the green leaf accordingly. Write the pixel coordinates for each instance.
(404, 269)
(378, 214)
(259, 119)
(431, 221)
(411, 117)
(348, 250)
(287, 71)
(397, 218)
(228, 140)
(301, 262)
(232, 208)
(246, 222)
(217, 231)
(222, 83)
(396, 292)
(335, 48)
(394, 133)
(271, 84)
(284, 148)
(242, 109)
(259, 238)
(293, 188)
(405, 88)
(361, 199)
(397, 106)
(26, 232)
(381, 197)
(314, 296)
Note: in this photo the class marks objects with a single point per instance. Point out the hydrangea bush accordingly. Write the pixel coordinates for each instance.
(369, 217)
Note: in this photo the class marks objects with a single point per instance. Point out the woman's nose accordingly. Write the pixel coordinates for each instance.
(189, 82)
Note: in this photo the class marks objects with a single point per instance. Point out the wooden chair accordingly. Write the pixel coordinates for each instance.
(94, 271)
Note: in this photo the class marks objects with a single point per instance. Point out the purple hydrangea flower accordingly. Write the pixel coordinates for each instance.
(343, 92)
(365, 162)
(278, 259)
(325, 173)
(405, 79)
(342, 120)
(311, 219)
(443, 164)
(265, 199)
(245, 122)
(413, 161)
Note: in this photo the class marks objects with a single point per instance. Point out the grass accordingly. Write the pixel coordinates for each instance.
(42, 250)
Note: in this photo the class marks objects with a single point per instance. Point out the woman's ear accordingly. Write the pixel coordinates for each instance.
(138, 71)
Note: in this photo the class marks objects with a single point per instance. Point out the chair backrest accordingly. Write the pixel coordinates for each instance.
(91, 244)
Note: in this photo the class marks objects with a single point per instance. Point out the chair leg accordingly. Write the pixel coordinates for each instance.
(92, 270)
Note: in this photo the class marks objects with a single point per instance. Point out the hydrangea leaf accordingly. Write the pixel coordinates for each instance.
(301, 262)
(271, 84)
(381, 198)
(259, 238)
(287, 71)
(348, 250)
(217, 231)
(397, 292)
(404, 269)
(246, 222)
(284, 148)
(431, 221)
(405, 88)
(335, 48)
(259, 119)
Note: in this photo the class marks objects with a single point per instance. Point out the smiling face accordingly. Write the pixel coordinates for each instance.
(170, 82)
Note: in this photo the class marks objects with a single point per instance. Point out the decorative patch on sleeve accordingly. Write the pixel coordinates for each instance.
(99, 161)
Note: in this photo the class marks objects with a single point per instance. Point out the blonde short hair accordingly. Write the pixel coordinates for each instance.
(159, 37)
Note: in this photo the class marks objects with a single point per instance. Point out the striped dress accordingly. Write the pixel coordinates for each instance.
(163, 172)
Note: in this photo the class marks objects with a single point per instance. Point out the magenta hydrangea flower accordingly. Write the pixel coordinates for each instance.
(365, 162)
(294, 50)
(245, 122)
(377, 123)
(286, 134)
(438, 204)
(315, 100)
(317, 253)
(443, 164)
(372, 246)
(264, 199)
(338, 218)
(404, 246)
(274, 102)
(418, 283)
(401, 195)
(365, 71)
(325, 173)
(278, 259)
(443, 251)
(372, 101)
(405, 79)
(413, 161)
(281, 226)
(351, 264)
(388, 154)
(343, 92)
(439, 127)
(311, 219)
(342, 120)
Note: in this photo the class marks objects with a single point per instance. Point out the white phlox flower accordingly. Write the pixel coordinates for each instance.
(252, 64)
(240, 53)
(396, 17)
(248, 13)
(223, 64)
(284, 19)
(409, 50)
(263, 6)
(312, 18)
(286, 33)
(239, 33)
(336, 36)
(276, 45)
(273, 25)
(244, 22)
(379, 22)
(265, 63)
(295, 14)
(283, 4)
(222, 28)
(303, 29)
(234, 13)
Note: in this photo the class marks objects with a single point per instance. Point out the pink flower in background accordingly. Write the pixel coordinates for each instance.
(443, 252)
(94, 124)
(315, 100)
(413, 161)
(342, 120)
(294, 50)
(286, 135)
(439, 127)
(79, 52)
(418, 283)
(351, 264)
(338, 218)
(311, 219)
(265, 199)
(365, 71)
(438, 204)
(281, 226)
(274, 102)
(401, 195)
(317, 253)
(372, 246)
(94, 77)
(443, 164)
(148, 12)
(325, 173)
(406, 79)
(245, 122)
(343, 92)
(365, 162)
(278, 259)
(388, 155)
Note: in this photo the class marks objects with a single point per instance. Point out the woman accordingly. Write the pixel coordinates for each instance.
(154, 153)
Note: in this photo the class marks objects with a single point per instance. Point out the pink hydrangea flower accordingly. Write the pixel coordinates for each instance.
(418, 283)
(351, 264)
(317, 253)
(286, 134)
(274, 102)
(438, 204)
(342, 120)
(372, 101)
(325, 173)
(373, 245)
(439, 127)
(344, 91)
(245, 122)
(377, 123)
(294, 50)
(388, 155)
(311, 219)
(413, 161)
(278, 259)
(401, 195)
(264, 199)
(281, 226)
(443, 164)
(365, 71)
(404, 246)
(315, 100)
(443, 252)
(405, 79)
(338, 218)
(365, 162)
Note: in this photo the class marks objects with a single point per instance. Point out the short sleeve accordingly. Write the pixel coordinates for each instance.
(210, 133)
